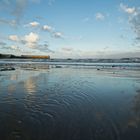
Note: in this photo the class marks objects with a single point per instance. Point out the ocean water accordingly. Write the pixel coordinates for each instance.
(69, 103)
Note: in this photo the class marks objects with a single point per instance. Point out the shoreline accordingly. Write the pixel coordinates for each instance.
(45, 65)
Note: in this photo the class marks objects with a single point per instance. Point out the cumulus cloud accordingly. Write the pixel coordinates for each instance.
(128, 10)
(52, 31)
(30, 40)
(47, 28)
(13, 38)
(31, 45)
(39, 47)
(32, 37)
(58, 35)
(13, 47)
(99, 16)
(34, 24)
(10, 48)
(27, 42)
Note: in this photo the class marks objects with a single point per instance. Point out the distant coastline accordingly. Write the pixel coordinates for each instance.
(10, 56)
(80, 60)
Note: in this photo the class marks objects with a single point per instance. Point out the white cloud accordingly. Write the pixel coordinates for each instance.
(13, 38)
(47, 28)
(31, 37)
(13, 47)
(99, 16)
(34, 24)
(39, 47)
(135, 24)
(52, 31)
(29, 41)
(32, 41)
(31, 45)
(58, 35)
(128, 10)
(133, 15)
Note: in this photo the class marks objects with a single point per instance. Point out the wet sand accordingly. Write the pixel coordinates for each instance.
(45, 102)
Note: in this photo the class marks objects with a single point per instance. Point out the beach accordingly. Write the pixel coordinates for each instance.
(69, 102)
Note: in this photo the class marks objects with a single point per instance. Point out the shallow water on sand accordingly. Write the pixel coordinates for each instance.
(69, 104)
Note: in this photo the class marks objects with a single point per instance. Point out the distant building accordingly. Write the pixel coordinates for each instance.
(35, 56)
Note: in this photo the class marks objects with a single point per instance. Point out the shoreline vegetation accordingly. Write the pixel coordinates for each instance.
(11, 56)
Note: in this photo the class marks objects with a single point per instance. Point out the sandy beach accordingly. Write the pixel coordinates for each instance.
(69, 102)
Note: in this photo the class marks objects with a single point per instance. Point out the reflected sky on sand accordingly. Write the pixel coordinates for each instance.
(70, 104)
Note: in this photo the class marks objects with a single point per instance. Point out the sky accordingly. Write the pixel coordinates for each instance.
(70, 28)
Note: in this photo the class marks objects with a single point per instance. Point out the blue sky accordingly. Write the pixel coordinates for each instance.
(70, 28)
